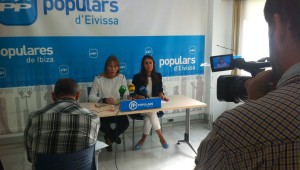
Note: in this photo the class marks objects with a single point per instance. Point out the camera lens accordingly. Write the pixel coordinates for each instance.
(239, 89)
(232, 88)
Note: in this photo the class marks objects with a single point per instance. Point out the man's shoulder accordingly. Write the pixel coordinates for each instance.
(86, 112)
(253, 114)
(41, 111)
(237, 117)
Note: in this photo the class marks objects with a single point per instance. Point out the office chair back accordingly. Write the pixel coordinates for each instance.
(1, 166)
(88, 92)
(80, 160)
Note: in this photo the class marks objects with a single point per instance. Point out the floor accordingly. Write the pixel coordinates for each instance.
(151, 156)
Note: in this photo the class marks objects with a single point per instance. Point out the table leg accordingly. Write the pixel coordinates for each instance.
(187, 130)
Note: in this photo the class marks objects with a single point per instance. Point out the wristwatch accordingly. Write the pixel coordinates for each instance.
(101, 100)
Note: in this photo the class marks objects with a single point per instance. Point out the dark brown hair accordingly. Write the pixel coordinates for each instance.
(109, 60)
(144, 78)
(288, 10)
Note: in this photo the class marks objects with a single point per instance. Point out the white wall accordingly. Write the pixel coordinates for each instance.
(220, 18)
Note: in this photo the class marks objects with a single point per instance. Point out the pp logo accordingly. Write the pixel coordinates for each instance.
(192, 50)
(18, 12)
(123, 67)
(133, 105)
(148, 51)
(2, 73)
(64, 69)
(93, 53)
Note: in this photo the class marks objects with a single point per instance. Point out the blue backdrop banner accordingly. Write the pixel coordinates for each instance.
(29, 61)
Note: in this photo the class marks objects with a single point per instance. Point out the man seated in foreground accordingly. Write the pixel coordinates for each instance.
(61, 127)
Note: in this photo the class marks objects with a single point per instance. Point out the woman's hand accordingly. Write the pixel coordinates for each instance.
(110, 100)
(140, 97)
(163, 97)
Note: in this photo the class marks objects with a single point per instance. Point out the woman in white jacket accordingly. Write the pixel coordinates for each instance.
(105, 89)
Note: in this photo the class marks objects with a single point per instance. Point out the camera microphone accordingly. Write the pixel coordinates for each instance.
(122, 91)
(226, 48)
(144, 92)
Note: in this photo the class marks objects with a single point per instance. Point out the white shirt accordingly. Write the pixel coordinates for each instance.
(149, 87)
(105, 88)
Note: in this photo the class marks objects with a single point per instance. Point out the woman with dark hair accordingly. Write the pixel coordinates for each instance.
(152, 81)
(105, 89)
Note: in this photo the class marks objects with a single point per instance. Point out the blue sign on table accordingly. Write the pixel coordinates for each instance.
(141, 104)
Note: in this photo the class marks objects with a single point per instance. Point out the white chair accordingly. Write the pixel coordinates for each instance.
(99, 145)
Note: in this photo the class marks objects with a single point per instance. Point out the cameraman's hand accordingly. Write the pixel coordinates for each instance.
(260, 85)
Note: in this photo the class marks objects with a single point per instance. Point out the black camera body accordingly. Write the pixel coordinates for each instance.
(231, 88)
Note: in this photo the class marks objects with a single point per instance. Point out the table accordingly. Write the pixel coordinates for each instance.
(175, 102)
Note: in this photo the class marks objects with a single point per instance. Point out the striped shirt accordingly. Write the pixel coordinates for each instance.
(260, 134)
(61, 127)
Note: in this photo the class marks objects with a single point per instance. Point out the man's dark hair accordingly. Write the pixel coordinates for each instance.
(65, 86)
(288, 10)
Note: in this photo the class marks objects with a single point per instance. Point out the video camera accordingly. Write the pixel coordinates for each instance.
(231, 88)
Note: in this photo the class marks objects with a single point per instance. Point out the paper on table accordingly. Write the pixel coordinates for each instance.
(163, 101)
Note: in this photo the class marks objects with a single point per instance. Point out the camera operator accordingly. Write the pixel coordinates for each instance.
(263, 133)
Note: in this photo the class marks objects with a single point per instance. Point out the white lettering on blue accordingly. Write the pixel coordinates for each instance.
(176, 61)
(145, 104)
(25, 51)
(17, 7)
